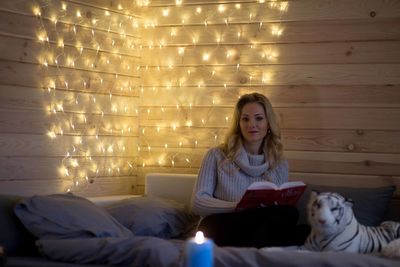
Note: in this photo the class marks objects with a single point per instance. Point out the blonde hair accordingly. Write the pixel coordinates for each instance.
(272, 144)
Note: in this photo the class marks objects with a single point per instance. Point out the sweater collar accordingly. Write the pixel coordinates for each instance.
(252, 165)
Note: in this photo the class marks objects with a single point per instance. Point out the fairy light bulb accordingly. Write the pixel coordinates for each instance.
(276, 30)
(165, 12)
(53, 19)
(51, 134)
(36, 11)
(206, 56)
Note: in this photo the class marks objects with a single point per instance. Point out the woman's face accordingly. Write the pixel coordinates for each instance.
(253, 124)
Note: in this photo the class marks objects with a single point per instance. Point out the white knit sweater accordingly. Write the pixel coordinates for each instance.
(221, 183)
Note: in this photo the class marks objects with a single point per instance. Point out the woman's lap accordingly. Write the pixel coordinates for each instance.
(270, 226)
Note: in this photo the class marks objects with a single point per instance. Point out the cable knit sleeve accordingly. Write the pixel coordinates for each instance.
(203, 201)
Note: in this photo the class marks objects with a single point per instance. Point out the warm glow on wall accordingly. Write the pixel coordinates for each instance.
(88, 85)
(188, 62)
(188, 57)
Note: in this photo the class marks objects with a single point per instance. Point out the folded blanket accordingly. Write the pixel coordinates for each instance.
(133, 251)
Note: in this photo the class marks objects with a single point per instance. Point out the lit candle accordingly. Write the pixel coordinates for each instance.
(199, 251)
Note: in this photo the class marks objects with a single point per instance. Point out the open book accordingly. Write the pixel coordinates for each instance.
(261, 194)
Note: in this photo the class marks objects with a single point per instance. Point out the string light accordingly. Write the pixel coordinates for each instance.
(81, 120)
(173, 51)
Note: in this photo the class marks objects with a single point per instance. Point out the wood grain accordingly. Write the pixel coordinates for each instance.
(292, 32)
(38, 168)
(34, 52)
(278, 53)
(290, 118)
(69, 79)
(25, 121)
(37, 145)
(305, 10)
(368, 96)
(122, 91)
(100, 187)
(330, 74)
(366, 141)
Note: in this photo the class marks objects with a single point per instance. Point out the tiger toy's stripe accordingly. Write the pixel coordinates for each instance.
(335, 228)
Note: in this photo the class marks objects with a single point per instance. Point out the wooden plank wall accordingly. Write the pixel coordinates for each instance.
(330, 67)
(69, 96)
(95, 94)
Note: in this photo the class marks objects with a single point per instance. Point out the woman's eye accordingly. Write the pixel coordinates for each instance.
(259, 118)
(245, 119)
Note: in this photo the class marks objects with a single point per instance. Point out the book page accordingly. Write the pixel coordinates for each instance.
(262, 185)
(291, 184)
(270, 185)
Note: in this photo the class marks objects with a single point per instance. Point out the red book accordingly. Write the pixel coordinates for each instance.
(262, 194)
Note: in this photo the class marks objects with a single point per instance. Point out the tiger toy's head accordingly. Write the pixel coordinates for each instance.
(329, 213)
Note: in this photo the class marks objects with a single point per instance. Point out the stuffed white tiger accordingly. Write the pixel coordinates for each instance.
(334, 228)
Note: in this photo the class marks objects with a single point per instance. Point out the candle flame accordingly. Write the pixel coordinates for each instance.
(199, 239)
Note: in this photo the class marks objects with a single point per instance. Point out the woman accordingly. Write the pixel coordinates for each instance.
(251, 152)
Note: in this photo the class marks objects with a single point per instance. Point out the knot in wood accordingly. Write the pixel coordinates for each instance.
(351, 147)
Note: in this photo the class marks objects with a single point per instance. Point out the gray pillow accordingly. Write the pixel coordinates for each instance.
(14, 237)
(369, 203)
(62, 216)
(151, 216)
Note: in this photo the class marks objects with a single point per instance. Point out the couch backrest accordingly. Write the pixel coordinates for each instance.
(179, 187)
(393, 210)
(173, 186)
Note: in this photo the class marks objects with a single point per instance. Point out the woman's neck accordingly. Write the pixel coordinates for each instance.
(252, 148)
